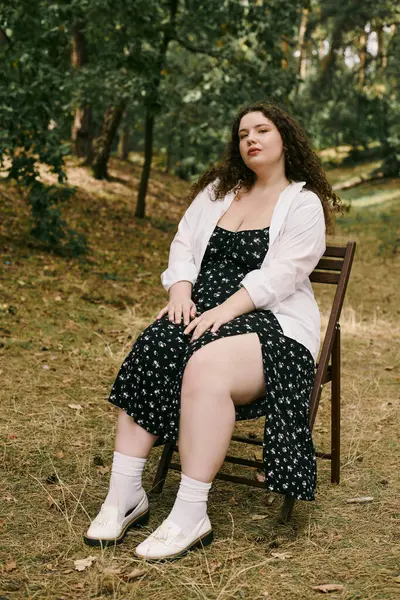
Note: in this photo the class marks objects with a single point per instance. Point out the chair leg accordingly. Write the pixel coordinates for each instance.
(287, 508)
(162, 469)
(335, 409)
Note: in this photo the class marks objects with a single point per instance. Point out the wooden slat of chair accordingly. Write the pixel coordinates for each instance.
(329, 270)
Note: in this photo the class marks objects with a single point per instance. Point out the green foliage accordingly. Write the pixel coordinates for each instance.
(192, 68)
(32, 83)
(385, 224)
(48, 224)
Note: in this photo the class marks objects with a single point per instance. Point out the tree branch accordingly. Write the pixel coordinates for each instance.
(4, 38)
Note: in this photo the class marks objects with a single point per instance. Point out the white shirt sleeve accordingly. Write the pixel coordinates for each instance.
(181, 264)
(296, 254)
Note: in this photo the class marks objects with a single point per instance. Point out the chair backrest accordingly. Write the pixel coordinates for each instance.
(333, 268)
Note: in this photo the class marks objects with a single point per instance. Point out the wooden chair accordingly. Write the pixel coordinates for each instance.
(333, 268)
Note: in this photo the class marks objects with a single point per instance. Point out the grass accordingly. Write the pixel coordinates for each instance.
(66, 325)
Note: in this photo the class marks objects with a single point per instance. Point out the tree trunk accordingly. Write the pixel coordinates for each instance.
(301, 46)
(389, 41)
(82, 133)
(329, 61)
(123, 142)
(363, 59)
(285, 50)
(148, 155)
(103, 143)
(82, 128)
(379, 38)
(152, 102)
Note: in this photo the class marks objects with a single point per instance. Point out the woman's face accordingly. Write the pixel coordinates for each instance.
(260, 142)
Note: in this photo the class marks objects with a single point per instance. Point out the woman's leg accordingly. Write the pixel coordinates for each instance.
(220, 375)
(126, 504)
(132, 447)
(131, 439)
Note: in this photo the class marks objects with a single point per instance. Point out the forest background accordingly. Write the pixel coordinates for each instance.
(108, 111)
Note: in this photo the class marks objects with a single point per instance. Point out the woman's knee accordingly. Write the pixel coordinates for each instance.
(202, 374)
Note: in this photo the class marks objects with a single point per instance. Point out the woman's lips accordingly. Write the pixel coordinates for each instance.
(254, 151)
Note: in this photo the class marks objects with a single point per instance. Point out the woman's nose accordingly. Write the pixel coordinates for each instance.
(250, 138)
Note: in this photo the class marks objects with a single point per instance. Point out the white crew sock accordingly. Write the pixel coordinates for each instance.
(126, 490)
(191, 503)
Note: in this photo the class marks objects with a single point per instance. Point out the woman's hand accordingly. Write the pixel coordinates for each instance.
(213, 318)
(177, 307)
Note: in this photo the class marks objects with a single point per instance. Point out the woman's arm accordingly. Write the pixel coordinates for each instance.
(299, 249)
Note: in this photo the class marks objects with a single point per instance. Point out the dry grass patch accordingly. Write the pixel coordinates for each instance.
(66, 326)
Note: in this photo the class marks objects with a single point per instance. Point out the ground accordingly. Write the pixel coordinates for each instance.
(66, 325)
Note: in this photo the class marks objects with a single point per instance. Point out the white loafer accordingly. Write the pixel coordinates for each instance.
(110, 526)
(169, 542)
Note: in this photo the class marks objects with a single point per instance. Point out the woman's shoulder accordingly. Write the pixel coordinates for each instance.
(307, 197)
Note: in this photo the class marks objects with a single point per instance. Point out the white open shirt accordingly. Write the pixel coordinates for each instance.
(282, 284)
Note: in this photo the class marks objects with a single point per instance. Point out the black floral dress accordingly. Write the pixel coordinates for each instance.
(149, 382)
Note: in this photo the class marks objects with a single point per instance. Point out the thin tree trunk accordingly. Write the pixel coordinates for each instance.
(152, 101)
(329, 61)
(363, 59)
(301, 46)
(285, 50)
(389, 41)
(148, 156)
(82, 137)
(379, 38)
(103, 143)
(82, 128)
(123, 142)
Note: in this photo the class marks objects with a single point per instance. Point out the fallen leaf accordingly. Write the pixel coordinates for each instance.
(2, 523)
(389, 368)
(82, 563)
(360, 500)
(281, 555)
(269, 499)
(214, 565)
(259, 517)
(59, 454)
(9, 498)
(112, 571)
(11, 565)
(50, 502)
(57, 298)
(79, 586)
(135, 574)
(103, 470)
(67, 571)
(328, 587)
(75, 406)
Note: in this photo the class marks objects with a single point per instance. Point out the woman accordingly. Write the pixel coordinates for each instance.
(238, 338)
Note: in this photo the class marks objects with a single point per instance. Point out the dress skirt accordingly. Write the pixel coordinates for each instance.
(148, 384)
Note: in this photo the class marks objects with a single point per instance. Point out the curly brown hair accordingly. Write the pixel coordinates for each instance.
(301, 163)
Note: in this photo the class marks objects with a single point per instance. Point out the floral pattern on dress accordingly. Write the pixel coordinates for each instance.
(149, 382)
